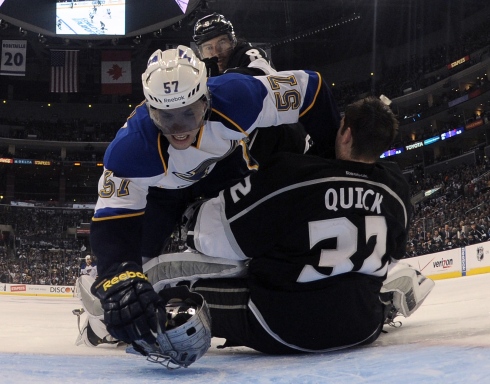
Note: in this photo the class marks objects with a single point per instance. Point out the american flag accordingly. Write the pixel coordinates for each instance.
(64, 71)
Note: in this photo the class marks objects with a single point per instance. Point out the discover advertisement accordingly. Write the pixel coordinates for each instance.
(37, 290)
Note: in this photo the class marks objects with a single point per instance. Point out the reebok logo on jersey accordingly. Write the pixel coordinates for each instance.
(345, 198)
(355, 174)
(123, 277)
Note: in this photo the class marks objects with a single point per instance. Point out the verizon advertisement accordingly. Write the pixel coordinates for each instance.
(471, 260)
(37, 290)
(441, 265)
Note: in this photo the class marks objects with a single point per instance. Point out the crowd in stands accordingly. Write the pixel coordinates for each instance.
(39, 248)
(421, 70)
(42, 252)
(457, 215)
(59, 130)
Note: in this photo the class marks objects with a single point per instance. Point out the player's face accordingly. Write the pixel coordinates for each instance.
(219, 46)
(180, 125)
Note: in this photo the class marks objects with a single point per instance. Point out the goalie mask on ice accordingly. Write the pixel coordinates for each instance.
(188, 334)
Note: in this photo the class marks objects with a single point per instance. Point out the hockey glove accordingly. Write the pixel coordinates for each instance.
(211, 64)
(132, 308)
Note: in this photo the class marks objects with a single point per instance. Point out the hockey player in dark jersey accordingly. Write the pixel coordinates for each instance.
(319, 237)
(190, 129)
(221, 50)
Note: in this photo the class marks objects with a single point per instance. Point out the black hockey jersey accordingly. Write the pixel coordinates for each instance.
(303, 219)
(318, 235)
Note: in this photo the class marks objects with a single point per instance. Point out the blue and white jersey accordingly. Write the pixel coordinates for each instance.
(141, 157)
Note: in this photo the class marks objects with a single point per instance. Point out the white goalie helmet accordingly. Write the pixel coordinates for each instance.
(174, 78)
(188, 332)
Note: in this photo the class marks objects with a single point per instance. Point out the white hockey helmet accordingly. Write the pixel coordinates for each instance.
(174, 78)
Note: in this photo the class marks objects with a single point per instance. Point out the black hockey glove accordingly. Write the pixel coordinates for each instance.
(212, 67)
(132, 308)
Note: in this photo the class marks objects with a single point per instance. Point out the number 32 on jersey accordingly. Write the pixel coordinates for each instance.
(346, 234)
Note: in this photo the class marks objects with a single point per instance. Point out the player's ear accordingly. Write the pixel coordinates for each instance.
(346, 135)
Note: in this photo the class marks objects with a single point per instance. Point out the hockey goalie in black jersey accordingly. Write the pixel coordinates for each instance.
(318, 237)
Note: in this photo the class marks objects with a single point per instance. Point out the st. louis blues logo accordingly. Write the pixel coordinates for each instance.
(202, 169)
(199, 172)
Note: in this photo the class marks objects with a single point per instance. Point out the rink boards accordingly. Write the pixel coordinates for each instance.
(466, 261)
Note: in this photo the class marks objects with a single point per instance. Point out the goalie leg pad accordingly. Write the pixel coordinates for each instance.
(406, 289)
(93, 332)
(90, 302)
(171, 268)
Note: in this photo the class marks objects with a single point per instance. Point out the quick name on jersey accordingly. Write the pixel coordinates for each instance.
(345, 198)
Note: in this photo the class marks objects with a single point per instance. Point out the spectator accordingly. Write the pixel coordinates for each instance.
(89, 267)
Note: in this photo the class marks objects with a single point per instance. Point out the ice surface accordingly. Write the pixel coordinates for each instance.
(446, 341)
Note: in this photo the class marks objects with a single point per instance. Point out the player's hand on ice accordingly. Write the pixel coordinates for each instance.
(132, 308)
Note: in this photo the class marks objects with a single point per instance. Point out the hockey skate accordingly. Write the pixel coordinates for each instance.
(403, 292)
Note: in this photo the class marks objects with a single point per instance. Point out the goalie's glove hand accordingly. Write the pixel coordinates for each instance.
(132, 308)
(212, 67)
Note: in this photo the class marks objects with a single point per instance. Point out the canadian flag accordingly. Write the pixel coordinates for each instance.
(116, 72)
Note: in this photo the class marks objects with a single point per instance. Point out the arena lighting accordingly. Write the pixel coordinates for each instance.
(451, 133)
(41, 38)
(432, 140)
(137, 40)
(392, 152)
(313, 31)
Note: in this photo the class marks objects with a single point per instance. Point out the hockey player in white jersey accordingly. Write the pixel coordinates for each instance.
(222, 52)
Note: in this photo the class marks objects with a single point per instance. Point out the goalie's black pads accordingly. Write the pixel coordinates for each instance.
(132, 308)
(188, 334)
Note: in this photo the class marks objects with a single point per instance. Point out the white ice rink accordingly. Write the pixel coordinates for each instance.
(446, 341)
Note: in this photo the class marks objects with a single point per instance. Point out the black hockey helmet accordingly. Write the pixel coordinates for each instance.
(211, 26)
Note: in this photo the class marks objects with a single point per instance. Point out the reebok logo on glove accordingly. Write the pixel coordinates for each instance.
(122, 277)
